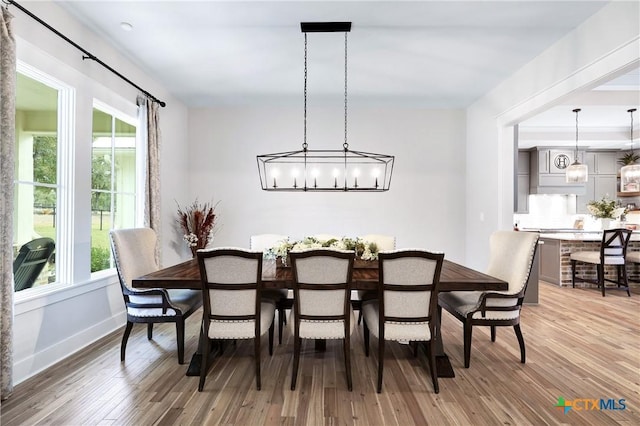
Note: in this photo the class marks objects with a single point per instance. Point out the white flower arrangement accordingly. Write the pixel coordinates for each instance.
(605, 209)
(365, 250)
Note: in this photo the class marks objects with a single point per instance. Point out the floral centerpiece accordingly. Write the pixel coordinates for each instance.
(605, 209)
(198, 224)
(365, 250)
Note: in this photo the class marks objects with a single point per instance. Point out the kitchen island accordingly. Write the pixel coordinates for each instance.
(555, 250)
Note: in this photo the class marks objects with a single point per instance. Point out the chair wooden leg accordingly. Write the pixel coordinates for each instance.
(523, 355)
(256, 346)
(180, 339)
(125, 338)
(414, 346)
(347, 360)
(468, 328)
(204, 362)
(601, 277)
(271, 332)
(281, 322)
(431, 353)
(573, 273)
(360, 315)
(625, 279)
(493, 333)
(365, 330)
(380, 363)
(296, 361)
(149, 331)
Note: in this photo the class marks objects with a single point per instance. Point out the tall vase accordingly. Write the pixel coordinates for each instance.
(605, 223)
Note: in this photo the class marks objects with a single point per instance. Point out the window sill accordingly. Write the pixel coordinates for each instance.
(39, 297)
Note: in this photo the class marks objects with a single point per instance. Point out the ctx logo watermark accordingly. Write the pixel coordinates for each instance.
(590, 404)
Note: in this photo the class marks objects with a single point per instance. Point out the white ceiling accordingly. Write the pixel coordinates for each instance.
(432, 53)
(443, 54)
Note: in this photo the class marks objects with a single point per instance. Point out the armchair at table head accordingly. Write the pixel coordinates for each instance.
(612, 251)
(31, 260)
(233, 307)
(406, 304)
(134, 256)
(282, 297)
(510, 259)
(322, 308)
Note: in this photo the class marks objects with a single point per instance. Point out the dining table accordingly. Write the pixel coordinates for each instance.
(454, 277)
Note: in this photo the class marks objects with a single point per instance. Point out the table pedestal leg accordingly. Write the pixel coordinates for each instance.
(443, 365)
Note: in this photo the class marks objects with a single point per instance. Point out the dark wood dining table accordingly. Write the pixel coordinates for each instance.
(454, 277)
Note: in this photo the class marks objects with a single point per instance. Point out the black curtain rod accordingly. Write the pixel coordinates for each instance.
(87, 53)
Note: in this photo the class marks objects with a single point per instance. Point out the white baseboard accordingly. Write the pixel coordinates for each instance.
(38, 362)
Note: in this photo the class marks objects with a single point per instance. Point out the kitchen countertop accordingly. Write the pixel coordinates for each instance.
(581, 236)
(568, 234)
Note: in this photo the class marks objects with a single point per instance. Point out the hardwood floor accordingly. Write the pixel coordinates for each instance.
(579, 345)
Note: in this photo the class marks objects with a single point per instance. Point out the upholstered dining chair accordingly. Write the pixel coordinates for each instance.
(232, 304)
(134, 256)
(384, 243)
(406, 305)
(322, 307)
(283, 297)
(510, 259)
(612, 251)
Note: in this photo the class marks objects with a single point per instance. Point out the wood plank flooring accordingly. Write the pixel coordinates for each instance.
(579, 345)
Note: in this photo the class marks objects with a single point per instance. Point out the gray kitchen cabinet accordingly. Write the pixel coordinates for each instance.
(523, 194)
(522, 183)
(602, 163)
(603, 181)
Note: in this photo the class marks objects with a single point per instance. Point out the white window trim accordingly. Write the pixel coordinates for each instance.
(65, 185)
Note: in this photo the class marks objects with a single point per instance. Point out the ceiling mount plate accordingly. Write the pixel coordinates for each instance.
(325, 27)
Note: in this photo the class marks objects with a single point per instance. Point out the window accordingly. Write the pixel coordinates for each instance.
(37, 186)
(113, 181)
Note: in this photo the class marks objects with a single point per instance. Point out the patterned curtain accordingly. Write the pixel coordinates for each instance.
(7, 141)
(149, 116)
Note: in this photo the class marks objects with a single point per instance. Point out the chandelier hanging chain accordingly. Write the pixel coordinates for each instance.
(304, 143)
(577, 110)
(345, 145)
(631, 111)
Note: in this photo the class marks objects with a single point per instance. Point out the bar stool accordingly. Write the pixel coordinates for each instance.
(633, 257)
(613, 249)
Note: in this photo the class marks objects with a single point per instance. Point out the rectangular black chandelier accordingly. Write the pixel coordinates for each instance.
(325, 170)
(309, 170)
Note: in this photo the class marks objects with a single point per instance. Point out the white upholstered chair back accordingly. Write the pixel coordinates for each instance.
(384, 242)
(511, 257)
(408, 271)
(232, 270)
(317, 270)
(263, 242)
(134, 253)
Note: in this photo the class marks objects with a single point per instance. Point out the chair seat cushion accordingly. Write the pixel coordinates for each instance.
(244, 329)
(466, 302)
(183, 300)
(399, 331)
(594, 257)
(320, 329)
